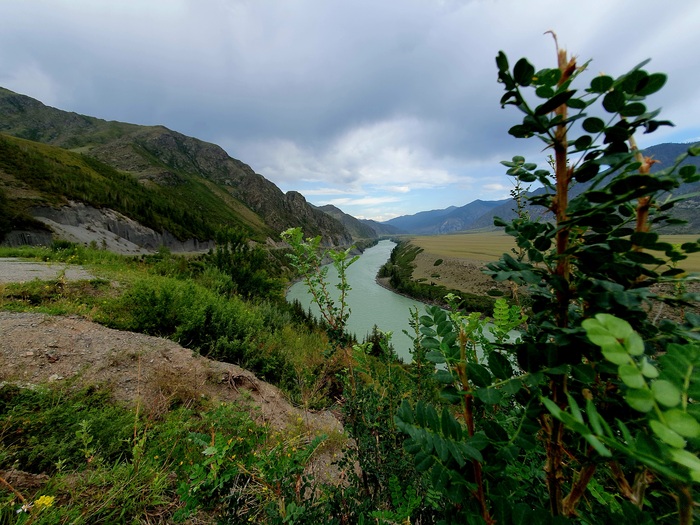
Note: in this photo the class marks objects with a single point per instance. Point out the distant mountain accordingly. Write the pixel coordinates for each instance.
(448, 220)
(382, 229)
(198, 178)
(418, 221)
(357, 228)
(666, 154)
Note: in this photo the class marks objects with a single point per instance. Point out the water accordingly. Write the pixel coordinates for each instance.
(370, 304)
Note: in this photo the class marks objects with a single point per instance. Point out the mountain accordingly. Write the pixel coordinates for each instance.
(209, 188)
(357, 228)
(479, 215)
(418, 221)
(448, 220)
(382, 229)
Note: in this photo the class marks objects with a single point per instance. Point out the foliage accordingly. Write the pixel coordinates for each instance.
(399, 269)
(188, 300)
(596, 253)
(663, 388)
(308, 260)
(40, 428)
(245, 264)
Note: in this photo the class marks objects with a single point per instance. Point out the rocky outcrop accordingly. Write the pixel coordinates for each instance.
(83, 224)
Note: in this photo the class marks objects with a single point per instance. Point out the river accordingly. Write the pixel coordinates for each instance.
(370, 304)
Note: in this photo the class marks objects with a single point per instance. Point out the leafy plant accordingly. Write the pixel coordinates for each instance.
(663, 389)
(308, 260)
(592, 252)
(598, 253)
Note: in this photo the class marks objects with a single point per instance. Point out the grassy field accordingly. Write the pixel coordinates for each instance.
(487, 247)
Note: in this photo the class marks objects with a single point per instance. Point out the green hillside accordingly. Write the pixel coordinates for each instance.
(33, 174)
(170, 181)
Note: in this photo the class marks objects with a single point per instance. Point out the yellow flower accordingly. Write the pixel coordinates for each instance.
(44, 501)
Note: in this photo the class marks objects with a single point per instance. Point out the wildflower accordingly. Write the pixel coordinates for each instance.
(25, 508)
(44, 501)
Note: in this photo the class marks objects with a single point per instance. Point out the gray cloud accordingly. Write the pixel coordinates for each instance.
(390, 97)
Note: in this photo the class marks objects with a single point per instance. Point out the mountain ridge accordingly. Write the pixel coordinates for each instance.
(171, 164)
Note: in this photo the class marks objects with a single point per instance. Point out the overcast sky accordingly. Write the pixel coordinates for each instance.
(380, 107)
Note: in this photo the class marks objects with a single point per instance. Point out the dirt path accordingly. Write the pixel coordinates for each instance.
(16, 271)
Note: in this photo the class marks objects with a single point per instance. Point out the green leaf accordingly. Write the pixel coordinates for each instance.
(502, 62)
(512, 387)
(614, 101)
(682, 423)
(631, 376)
(688, 460)
(430, 343)
(593, 125)
(544, 92)
(615, 353)
(651, 84)
(499, 365)
(523, 72)
(666, 435)
(435, 357)
(554, 102)
(426, 321)
(575, 410)
(640, 400)
(594, 418)
(633, 110)
(489, 395)
(423, 461)
(443, 376)
(666, 393)
(648, 370)
(576, 103)
(478, 374)
(583, 142)
(601, 84)
(597, 445)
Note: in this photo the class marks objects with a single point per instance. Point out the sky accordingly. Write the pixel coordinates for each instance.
(380, 107)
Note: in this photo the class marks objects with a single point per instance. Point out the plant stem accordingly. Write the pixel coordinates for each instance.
(578, 490)
(685, 505)
(7, 485)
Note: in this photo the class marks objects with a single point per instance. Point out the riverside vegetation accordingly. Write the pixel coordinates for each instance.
(587, 415)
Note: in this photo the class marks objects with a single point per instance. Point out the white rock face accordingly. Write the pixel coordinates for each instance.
(83, 224)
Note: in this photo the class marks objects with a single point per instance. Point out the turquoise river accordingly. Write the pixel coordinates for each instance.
(370, 303)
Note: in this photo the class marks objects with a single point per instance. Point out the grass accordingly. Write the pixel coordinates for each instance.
(488, 247)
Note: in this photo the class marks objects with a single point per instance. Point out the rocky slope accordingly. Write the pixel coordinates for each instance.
(172, 163)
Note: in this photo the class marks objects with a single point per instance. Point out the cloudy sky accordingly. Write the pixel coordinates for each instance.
(380, 107)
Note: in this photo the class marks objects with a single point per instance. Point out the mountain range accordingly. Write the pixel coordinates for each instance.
(133, 188)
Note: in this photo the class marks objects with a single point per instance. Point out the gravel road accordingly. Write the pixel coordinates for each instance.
(16, 271)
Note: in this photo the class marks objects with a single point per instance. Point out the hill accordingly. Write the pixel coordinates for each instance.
(357, 228)
(175, 185)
